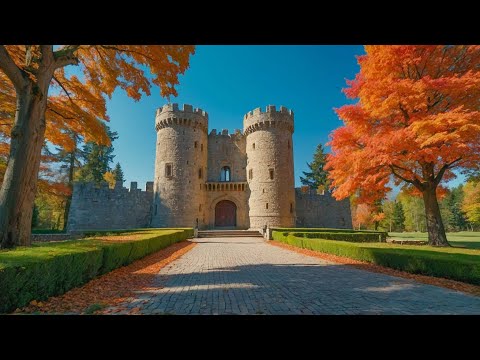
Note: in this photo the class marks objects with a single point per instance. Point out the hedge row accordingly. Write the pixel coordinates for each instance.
(456, 266)
(352, 237)
(50, 269)
(383, 234)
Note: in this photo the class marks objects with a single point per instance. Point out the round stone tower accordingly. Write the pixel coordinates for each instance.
(180, 167)
(270, 167)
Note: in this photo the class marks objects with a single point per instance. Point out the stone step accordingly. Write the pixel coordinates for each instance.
(229, 233)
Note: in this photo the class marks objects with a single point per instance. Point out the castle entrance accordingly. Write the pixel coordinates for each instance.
(225, 214)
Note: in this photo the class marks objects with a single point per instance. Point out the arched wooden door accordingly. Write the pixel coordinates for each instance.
(225, 214)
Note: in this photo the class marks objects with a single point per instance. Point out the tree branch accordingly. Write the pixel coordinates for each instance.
(61, 85)
(109, 47)
(65, 56)
(47, 52)
(444, 168)
(59, 114)
(415, 182)
(405, 113)
(13, 72)
(404, 169)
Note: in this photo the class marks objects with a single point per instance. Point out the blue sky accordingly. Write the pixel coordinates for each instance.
(229, 81)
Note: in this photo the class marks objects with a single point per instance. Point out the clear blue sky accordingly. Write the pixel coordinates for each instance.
(229, 81)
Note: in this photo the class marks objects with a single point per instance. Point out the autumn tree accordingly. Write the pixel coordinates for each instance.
(47, 101)
(317, 177)
(416, 120)
(53, 192)
(361, 215)
(109, 177)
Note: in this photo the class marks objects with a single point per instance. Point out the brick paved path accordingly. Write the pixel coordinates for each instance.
(248, 276)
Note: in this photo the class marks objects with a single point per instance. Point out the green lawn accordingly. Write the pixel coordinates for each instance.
(464, 239)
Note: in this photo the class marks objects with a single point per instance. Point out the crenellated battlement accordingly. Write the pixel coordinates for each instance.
(171, 115)
(269, 109)
(224, 132)
(186, 109)
(270, 118)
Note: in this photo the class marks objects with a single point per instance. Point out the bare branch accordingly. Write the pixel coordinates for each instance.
(13, 72)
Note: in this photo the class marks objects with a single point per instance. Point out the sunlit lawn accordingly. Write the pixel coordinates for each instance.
(466, 239)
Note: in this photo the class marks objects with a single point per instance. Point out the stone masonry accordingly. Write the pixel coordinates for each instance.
(243, 180)
(102, 208)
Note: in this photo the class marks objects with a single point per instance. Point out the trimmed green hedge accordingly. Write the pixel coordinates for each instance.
(369, 234)
(353, 237)
(335, 235)
(456, 264)
(49, 269)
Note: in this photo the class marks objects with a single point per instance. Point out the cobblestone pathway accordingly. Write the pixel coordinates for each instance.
(248, 276)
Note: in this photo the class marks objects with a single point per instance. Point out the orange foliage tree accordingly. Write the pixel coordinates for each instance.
(417, 118)
(361, 215)
(49, 102)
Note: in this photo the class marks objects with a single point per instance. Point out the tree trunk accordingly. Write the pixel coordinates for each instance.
(70, 184)
(19, 186)
(435, 228)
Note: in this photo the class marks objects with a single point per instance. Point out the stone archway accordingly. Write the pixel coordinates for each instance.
(225, 214)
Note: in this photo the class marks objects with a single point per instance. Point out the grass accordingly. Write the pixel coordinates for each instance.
(454, 263)
(463, 239)
(47, 269)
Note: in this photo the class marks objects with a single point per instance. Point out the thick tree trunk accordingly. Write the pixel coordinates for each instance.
(435, 228)
(19, 186)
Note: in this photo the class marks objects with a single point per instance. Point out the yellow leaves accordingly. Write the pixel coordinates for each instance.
(109, 177)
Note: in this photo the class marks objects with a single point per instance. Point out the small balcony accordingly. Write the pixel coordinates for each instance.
(226, 186)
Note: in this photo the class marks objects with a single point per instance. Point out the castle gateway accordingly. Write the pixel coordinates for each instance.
(243, 180)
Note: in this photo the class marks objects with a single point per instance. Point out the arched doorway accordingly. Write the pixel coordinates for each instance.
(225, 214)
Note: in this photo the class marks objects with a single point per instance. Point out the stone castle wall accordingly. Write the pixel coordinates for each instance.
(314, 210)
(104, 208)
(226, 149)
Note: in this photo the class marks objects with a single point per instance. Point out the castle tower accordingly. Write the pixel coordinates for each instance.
(270, 167)
(180, 167)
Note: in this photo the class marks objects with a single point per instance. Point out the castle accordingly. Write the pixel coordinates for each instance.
(243, 180)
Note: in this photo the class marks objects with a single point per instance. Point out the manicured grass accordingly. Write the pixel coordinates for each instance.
(47, 269)
(465, 239)
(451, 263)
